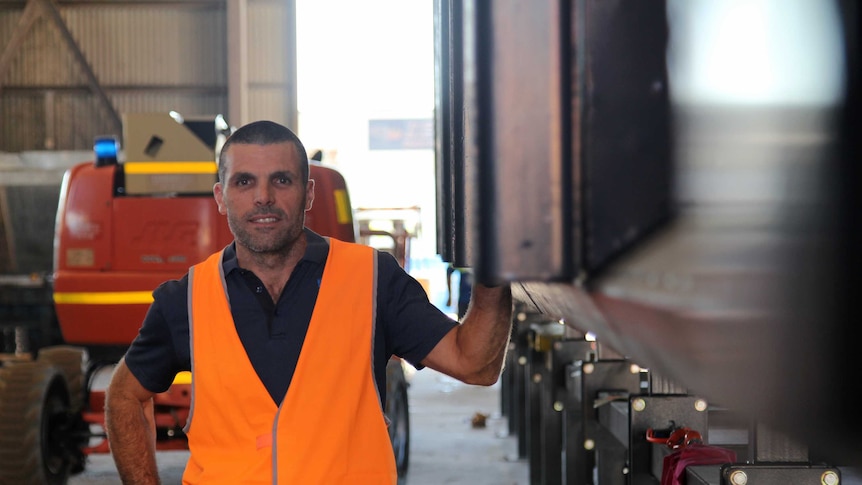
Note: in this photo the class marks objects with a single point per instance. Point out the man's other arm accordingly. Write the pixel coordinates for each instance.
(131, 428)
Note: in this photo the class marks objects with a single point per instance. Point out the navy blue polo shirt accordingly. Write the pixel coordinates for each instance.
(408, 325)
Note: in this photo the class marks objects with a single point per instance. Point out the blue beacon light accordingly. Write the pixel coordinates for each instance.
(106, 149)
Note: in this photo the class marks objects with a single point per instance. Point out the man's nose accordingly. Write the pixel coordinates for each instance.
(264, 195)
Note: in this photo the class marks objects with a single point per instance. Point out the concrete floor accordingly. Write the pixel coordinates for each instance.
(445, 447)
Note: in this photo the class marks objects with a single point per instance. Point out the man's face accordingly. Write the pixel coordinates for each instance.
(263, 196)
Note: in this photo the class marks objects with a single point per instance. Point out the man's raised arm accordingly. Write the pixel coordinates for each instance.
(474, 351)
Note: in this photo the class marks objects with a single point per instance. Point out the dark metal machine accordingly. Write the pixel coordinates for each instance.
(677, 263)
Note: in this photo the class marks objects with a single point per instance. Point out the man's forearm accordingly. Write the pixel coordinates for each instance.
(132, 439)
(483, 337)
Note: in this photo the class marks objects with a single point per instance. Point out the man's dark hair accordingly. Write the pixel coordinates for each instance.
(263, 133)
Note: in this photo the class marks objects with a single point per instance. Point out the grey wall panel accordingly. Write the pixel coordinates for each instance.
(271, 78)
(185, 104)
(31, 226)
(140, 46)
(39, 60)
(144, 57)
(267, 61)
(126, 46)
(76, 120)
(268, 103)
(22, 123)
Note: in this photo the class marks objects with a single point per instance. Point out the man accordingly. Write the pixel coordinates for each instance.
(262, 411)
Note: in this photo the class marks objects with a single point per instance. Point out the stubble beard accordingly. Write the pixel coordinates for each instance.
(272, 242)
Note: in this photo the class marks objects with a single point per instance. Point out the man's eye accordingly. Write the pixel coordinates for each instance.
(282, 180)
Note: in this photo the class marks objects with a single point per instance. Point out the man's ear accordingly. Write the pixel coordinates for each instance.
(309, 194)
(218, 195)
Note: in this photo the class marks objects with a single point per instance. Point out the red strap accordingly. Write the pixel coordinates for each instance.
(678, 438)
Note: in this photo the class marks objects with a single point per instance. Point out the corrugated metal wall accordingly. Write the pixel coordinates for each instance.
(145, 55)
(269, 82)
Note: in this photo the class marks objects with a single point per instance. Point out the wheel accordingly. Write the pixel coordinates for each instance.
(40, 438)
(399, 429)
(398, 412)
(71, 362)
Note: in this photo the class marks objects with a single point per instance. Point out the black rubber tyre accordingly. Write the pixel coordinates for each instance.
(398, 412)
(36, 426)
(71, 362)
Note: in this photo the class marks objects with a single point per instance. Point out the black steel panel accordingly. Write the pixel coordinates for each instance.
(615, 417)
(447, 121)
(661, 412)
(780, 474)
(624, 163)
(573, 428)
(518, 103)
(588, 443)
(562, 353)
(583, 139)
(520, 370)
(536, 376)
(753, 304)
(703, 475)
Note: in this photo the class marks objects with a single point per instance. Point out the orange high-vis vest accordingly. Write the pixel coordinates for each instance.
(330, 427)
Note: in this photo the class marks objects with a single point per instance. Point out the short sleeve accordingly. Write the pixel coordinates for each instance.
(161, 348)
(412, 324)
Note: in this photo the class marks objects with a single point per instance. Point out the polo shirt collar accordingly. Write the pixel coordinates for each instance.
(316, 250)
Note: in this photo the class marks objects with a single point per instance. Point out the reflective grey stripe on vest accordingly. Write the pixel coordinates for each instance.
(191, 331)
